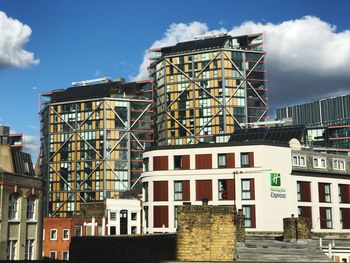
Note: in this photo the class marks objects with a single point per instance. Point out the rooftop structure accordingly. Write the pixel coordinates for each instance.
(208, 86)
(327, 122)
(92, 140)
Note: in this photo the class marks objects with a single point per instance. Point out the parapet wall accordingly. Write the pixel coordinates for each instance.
(206, 233)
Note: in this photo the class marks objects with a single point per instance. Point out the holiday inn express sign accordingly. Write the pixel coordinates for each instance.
(275, 186)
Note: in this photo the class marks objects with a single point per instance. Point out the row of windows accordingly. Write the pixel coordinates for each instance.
(204, 190)
(203, 161)
(324, 192)
(319, 162)
(53, 255)
(53, 234)
(12, 247)
(13, 207)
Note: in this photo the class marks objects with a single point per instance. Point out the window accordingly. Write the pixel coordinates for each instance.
(299, 160)
(11, 249)
(13, 206)
(249, 213)
(65, 255)
(178, 191)
(303, 191)
(177, 162)
(339, 164)
(145, 209)
(160, 163)
(133, 216)
(53, 234)
(29, 249)
(222, 161)
(146, 164)
(53, 254)
(182, 162)
(113, 230)
(78, 231)
(344, 193)
(246, 189)
(327, 192)
(30, 207)
(319, 162)
(133, 230)
(65, 234)
(112, 216)
(145, 189)
(345, 218)
(226, 189)
(324, 192)
(325, 217)
(247, 159)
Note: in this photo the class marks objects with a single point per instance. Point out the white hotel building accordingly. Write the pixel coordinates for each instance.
(268, 181)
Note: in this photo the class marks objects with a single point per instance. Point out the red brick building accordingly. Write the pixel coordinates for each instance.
(58, 232)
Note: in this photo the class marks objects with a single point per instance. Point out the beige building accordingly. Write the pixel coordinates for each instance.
(20, 207)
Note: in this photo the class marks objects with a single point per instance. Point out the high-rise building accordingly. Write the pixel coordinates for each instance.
(92, 139)
(327, 122)
(208, 86)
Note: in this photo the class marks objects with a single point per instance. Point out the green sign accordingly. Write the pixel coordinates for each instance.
(275, 179)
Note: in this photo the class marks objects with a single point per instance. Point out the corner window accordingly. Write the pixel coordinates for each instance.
(65, 234)
(222, 160)
(53, 234)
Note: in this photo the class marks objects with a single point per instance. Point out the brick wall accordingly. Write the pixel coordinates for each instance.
(206, 233)
(296, 228)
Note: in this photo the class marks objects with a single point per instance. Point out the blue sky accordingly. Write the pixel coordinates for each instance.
(80, 40)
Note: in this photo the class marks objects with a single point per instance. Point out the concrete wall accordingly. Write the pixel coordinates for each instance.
(6, 162)
(134, 248)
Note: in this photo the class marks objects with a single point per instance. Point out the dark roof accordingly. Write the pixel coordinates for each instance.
(200, 44)
(96, 91)
(281, 134)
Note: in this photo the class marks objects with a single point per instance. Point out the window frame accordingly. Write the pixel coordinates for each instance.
(179, 192)
(53, 230)
(317, 162)
(329, 223)
(224, 156)
(178, 158)
(339, 164)
(55, 254)
(112, 215)
(327, 193)
(80, 230)
(246, 218)
(63, 234)
(223, 189)
(245, 191)
(29, 248)
(13, 207)
(11, 250)
(67, 253)
(298, 160)
(31, 202)
(243, 156)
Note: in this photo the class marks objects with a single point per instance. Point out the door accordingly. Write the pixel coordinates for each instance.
(124, 222)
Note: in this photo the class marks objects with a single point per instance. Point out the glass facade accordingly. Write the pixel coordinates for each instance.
(199, 93)
(92, 149)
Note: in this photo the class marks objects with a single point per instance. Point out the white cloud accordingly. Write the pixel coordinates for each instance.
(31, 145)
(306, 58)
(13, 37)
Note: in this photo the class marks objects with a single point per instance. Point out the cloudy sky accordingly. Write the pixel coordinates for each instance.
(46, 45)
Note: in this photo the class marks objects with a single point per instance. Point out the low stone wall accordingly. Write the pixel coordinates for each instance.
(206, 233)
(124, 249)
